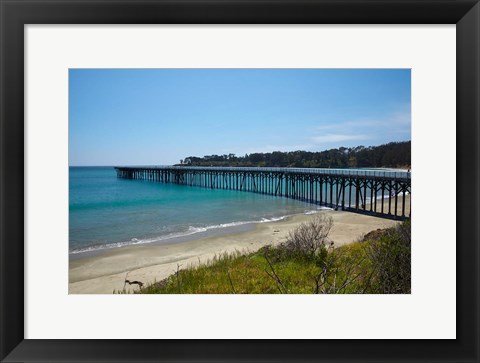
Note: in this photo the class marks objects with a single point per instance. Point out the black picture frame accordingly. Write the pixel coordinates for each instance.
(15, 14)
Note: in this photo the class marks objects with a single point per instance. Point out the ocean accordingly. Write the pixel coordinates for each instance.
(108, 212)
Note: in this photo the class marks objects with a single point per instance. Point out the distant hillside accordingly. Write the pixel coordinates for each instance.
(391, 155)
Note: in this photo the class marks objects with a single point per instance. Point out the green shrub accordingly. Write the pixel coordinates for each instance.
(391, 260)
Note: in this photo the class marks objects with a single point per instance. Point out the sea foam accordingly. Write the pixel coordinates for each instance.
(190, 231)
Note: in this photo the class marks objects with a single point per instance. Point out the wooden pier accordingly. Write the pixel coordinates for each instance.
(380, 193)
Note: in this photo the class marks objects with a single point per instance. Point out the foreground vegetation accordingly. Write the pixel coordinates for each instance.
(394, 154)
(306, 263)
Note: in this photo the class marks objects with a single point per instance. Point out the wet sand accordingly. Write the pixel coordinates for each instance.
(104, 273)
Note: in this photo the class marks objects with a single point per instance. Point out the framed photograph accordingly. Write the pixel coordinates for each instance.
(232, 181)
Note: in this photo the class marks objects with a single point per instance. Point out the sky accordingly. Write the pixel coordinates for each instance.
(160, 116)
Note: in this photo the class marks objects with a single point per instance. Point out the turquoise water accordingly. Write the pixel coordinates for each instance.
(107, 212)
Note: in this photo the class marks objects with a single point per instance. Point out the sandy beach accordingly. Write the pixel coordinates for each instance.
(104, 273)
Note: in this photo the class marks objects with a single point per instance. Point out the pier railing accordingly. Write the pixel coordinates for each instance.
(384, 193)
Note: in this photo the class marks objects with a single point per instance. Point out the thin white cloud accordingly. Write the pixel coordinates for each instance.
(338, 138)
(395, 120)
(347, 125)
(396, 123)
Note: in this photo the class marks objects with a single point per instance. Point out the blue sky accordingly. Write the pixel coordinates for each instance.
(159, 116)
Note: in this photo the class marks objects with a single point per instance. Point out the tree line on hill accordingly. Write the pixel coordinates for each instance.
(391, 155)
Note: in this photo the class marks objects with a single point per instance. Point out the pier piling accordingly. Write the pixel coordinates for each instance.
(324, 187)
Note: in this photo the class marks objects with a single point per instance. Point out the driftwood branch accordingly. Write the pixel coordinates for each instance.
(177, 273)
(274, 276)
(125, 282)
(139, 283)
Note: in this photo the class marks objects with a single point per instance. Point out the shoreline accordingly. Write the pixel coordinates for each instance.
(214, 232)
(105, 272)
(217, 230)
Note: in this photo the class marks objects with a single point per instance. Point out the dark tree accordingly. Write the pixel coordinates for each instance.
(394, 154)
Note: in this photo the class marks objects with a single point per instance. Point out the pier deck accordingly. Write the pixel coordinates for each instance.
(377, 192)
